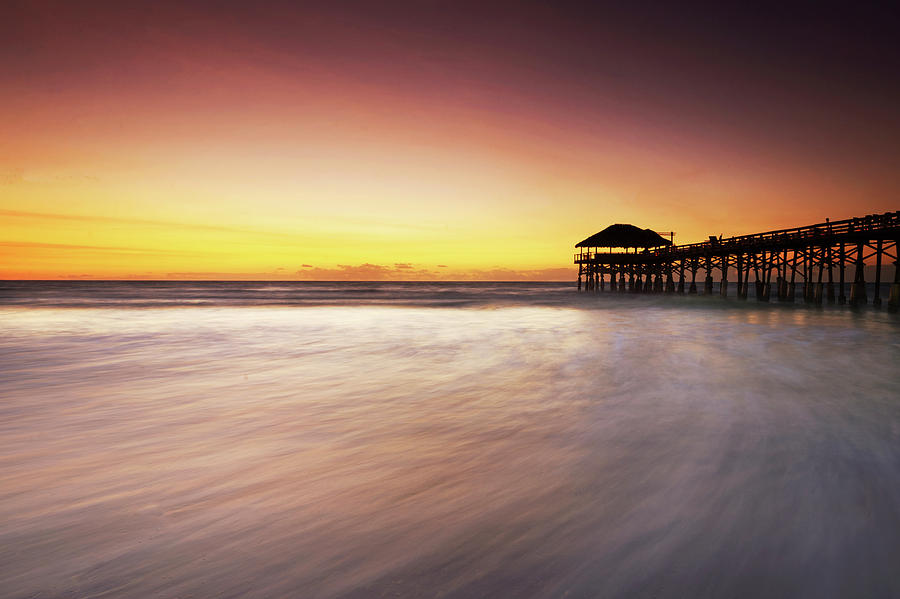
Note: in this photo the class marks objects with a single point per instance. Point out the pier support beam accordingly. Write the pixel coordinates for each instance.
(894, 300)
(745, 289)
(757, 284)
(808, 291)
(781, 277)
(858, 289)
(708, 281)
(762, 276)
(785, 265)
(819, 293)
(829, 289)
(876, 298)
(842, 257)
(792, 286)
(723, 285)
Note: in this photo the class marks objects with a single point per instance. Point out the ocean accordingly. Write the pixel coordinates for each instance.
(319, 440)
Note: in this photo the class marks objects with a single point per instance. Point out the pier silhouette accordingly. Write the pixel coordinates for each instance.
(820, 261)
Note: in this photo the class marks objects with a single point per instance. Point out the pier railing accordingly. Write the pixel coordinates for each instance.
(868, 227)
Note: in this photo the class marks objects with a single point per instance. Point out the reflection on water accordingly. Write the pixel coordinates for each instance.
(519, 451)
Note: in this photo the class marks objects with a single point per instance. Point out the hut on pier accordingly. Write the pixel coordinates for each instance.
(618, 236)
(625, 237)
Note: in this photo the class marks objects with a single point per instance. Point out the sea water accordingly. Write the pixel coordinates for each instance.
(442, 440)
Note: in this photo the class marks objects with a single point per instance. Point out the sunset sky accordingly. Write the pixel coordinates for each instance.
(452, 140)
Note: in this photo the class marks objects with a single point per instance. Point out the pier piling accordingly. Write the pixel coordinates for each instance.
(894, 300)
(876, 297)
(858, 289)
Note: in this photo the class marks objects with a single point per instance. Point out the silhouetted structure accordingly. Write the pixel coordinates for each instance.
(810, 256)
(623, 236)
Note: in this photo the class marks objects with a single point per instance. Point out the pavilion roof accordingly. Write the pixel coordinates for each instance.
(624, 236)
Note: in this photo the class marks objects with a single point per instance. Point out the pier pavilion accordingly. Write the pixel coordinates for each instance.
(616, 237)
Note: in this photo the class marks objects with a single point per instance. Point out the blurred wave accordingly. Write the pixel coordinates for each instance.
(150, 294)
(516, 448)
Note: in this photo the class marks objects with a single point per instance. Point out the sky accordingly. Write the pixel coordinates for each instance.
(426, 140)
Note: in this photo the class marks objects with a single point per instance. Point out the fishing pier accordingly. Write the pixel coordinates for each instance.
(820, 262)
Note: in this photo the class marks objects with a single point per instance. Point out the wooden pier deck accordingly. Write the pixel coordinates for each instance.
(820, 260)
